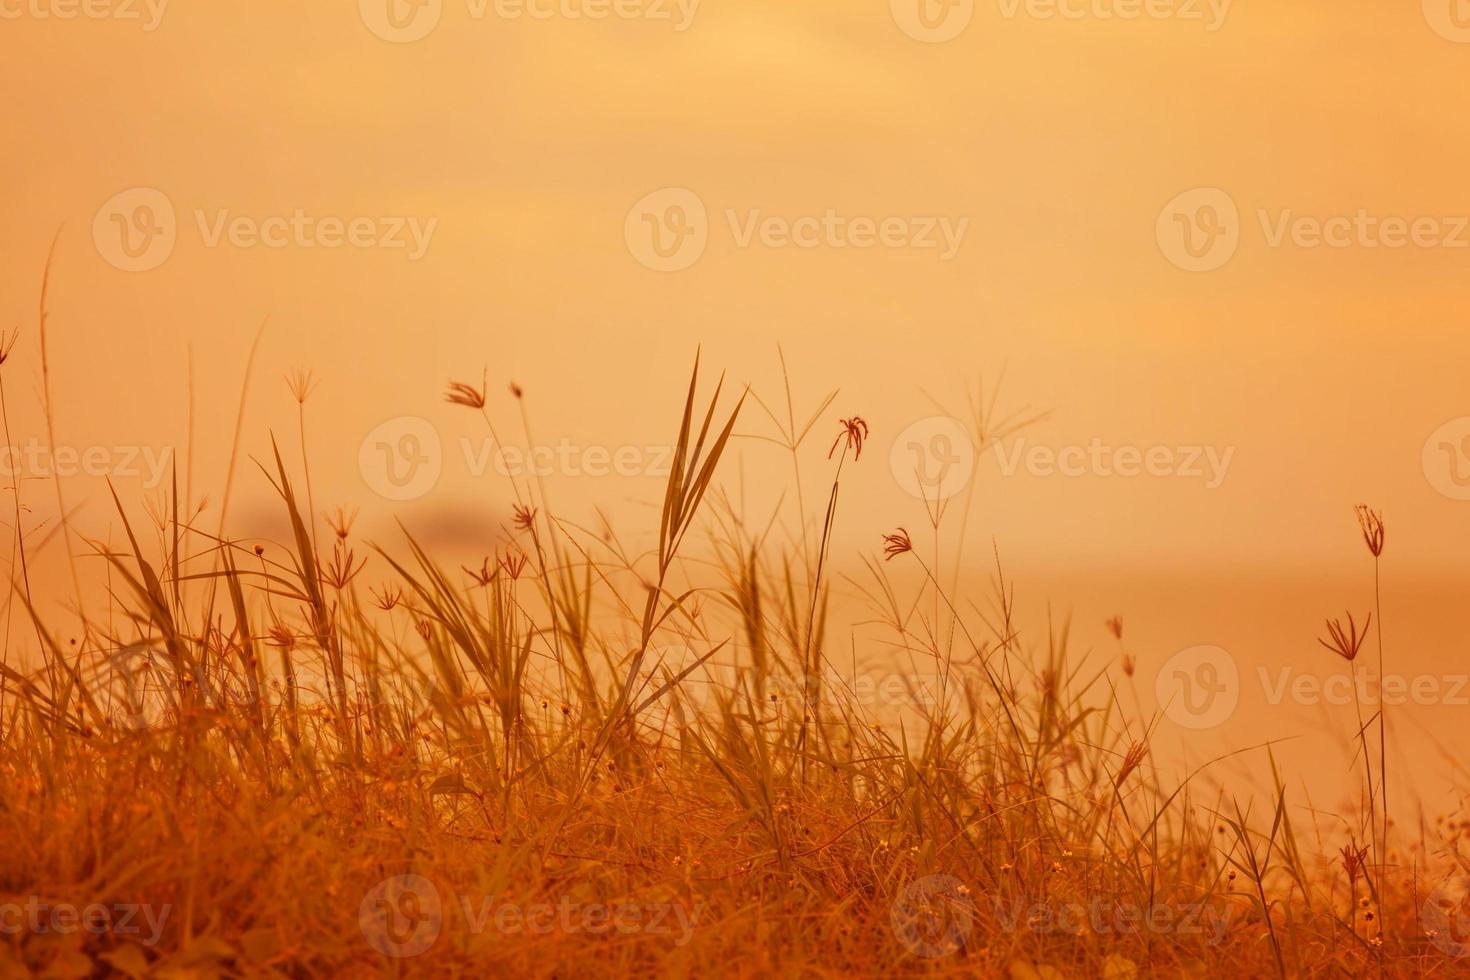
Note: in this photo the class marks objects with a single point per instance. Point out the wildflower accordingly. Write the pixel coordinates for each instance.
(1132, 759)
(259, 550)
(483, 575)
(340, 571)
(514, 562)
(340, 521)
(855, 432)
(1346, 642)
(301, 383)
(1371, 523)
(1353, 859)
(525, 517)
(467, 395)
(388, 599)
(280, 636)
(1046, 682)
(897, 544)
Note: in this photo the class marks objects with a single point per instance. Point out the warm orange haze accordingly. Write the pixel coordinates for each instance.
(671, 487)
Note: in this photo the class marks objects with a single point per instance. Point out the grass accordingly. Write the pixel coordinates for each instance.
(586, 758)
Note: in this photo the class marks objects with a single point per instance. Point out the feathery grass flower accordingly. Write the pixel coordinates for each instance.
(461, 393)
(1345, 642)
(855, 432)
(1371, 523)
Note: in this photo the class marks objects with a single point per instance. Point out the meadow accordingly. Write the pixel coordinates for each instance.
(636, 752)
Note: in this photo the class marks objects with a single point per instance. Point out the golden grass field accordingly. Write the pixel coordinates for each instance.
(325, 756)
(522, 488)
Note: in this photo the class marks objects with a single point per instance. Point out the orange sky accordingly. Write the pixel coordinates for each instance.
(518, 146)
